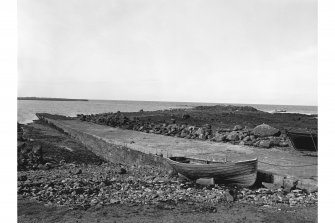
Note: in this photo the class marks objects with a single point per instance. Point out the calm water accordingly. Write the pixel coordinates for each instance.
(27, 108)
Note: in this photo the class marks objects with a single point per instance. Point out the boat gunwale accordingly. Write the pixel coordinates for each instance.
(213, 163)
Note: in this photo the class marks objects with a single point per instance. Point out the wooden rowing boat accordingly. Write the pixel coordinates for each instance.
(303, 141)
(242, 173)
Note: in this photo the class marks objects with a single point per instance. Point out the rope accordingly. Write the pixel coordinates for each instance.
(288, 166)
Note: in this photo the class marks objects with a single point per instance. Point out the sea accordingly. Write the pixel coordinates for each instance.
(28, 108)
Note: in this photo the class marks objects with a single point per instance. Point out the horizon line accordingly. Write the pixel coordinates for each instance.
(234, 103)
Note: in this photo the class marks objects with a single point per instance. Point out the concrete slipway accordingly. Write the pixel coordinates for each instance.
(282, 168)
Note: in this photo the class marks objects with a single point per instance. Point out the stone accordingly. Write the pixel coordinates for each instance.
(183, 133)
(21, 146)
(205, 181)
(232, 136)
(283, 144)
(200, 131)
(265, 130)
(265, 144)
(122, 171)
(114, 201)
(229, 197)
(247, 138)
(207, 126)
(186, 116)
(219, 137)
(78, 171)
(309, 185)
(248, 143)
(22, 178)
(275, 141)
(271, 186)
(237, 128)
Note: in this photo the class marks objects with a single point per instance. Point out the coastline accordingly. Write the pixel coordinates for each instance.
(48, 99)
(70, 176)
(27, 109)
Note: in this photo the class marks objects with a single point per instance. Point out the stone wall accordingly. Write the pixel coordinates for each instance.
(108, 151)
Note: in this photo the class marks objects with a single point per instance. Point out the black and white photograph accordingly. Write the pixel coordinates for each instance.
(167, 111)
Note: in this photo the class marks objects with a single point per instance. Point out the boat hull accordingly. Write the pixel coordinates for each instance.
(238, 173)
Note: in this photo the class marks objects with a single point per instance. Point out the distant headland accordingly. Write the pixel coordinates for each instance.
(49, 99)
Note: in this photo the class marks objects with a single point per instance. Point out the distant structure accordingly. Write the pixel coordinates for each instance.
(49, 99)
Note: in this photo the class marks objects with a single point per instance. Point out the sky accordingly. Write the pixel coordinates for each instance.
(221, 51)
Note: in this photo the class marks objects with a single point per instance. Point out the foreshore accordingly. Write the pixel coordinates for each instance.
(62, 172)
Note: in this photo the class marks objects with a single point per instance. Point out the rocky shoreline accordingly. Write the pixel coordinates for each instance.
(184, 123)
(86, 186)
(76, 178)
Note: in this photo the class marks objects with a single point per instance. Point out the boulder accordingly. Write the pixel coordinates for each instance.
(265, 143)
(247, 138)
(202, 136)
(233, 136)
(275, 141)
(283, 144)
(219, 137)
(265, 130)
(237, 128)
(200, 131)
(183, 133)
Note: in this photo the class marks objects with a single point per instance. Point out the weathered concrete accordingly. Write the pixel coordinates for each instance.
(283, 168)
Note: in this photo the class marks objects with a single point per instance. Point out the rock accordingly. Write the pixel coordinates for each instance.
(247, 138)
(22, 178)
(202, 137)
(271, 186)
(265, 130)
(237, 128)
(186, 116)
(229, 197)
(40, 166)
(183, 133)
(265, 144)
(122, 171)
(248, 143)
(37, 149)
(94, 201)
(275, 141)
(172, 173)
(219, 137)
(207, 126)
(114, 201)
(200, 131)
(21, 146)
(232, 136)
(205, 181)
(78, 171)
(283, 144)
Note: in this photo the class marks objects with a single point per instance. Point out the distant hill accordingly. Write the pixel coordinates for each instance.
(49, 99)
